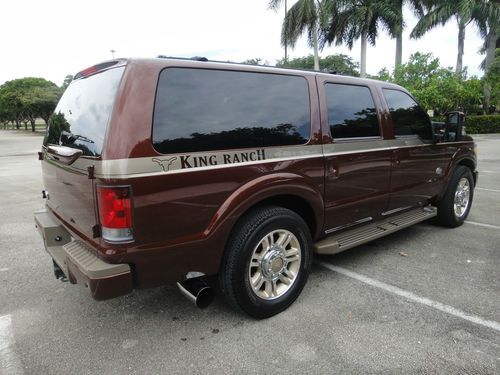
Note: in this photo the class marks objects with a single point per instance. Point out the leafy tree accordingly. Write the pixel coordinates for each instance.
(492, 78)
(359, 19)
(304, 16)
(25, 99)
(256, 61)
(67, 81)
(341, 64)
(11, 104)
(436, 87)
(57, 124)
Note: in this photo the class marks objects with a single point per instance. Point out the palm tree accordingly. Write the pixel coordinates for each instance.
(303, 16)
(397, 32)
(441, 12)
(487, 17)
(359, 19)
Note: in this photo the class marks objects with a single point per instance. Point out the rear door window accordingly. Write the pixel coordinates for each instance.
(205, 110)
(408, 118)
(81, 117)
(351, 111)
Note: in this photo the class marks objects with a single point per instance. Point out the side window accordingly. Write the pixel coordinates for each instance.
(407, 116)
(206, 110)
(351, 111)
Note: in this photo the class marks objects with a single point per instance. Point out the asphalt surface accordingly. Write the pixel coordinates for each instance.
(425, 300)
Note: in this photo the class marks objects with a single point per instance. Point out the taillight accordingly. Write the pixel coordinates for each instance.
(115, 213)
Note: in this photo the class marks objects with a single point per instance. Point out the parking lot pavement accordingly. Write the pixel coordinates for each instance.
(424, 300)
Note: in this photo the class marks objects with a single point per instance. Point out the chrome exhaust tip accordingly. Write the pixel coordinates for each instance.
(197, 291)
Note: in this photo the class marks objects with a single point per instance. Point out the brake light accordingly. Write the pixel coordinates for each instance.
(96, 68)
(115, 213)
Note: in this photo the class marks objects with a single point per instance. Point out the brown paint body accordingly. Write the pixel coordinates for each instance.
(182, 222)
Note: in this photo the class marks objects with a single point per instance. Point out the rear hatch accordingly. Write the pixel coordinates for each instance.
(74, 143)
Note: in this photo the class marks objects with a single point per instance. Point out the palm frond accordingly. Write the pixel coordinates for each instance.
(275, 4)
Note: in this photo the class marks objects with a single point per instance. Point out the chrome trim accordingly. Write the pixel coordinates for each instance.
(356, 139)
(171, 164)
(365, 220)
(390, 212)
(66, 155)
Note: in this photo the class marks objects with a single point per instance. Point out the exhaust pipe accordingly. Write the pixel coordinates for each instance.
(197, 291)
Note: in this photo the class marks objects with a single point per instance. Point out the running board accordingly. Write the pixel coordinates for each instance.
(339, 242)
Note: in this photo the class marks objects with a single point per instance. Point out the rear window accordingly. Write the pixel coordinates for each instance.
(81, 117)
(204, 110)
(351, 111)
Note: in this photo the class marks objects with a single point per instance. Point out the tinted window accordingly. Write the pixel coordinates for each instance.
(202, 110)
(82, 115)
(351, 111)
(407, 116)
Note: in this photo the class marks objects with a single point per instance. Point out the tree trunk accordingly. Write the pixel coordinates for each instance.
(461, 42)
(399, 49)
(364, 39)
(18, 124)
(490, 57)
(315, 46)
(399, 37)
(32, 125)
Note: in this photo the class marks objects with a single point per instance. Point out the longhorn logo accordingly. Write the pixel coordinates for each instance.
(164, 163)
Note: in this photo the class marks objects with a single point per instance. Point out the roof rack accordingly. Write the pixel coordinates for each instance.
(202, 58)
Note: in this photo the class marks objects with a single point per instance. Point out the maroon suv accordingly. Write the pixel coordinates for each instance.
(175, 170)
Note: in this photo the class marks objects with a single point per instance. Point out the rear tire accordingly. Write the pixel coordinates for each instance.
(266, 262)
(455, 205)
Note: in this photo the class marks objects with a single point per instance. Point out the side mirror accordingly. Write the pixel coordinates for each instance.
(455, 126)
(438, 131)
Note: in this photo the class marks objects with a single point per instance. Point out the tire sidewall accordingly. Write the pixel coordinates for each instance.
(460, 172)
(247, 298)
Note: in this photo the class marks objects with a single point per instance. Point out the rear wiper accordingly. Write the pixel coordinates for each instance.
(70, 138)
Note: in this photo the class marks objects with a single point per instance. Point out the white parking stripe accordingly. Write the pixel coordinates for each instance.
(413, 297)
(494, 190)
(9, 361)
(482, 224)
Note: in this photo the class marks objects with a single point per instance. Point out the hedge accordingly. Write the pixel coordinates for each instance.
(483, 124)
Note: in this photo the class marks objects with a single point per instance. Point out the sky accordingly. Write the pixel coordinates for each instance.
(53, 38)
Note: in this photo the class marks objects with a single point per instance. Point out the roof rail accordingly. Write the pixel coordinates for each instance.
(196, 58)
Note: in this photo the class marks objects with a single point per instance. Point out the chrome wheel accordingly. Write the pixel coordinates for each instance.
(275, 264)
(462, 197)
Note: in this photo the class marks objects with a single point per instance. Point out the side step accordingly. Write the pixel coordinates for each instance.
(339, 242)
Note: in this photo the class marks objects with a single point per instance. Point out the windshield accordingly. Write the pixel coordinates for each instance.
(81, 118)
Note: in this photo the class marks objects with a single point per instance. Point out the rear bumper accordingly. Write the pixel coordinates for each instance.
(79, 263)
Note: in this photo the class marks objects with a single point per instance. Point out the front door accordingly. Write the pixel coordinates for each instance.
(419, 165)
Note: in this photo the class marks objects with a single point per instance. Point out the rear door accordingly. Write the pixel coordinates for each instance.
(357, 161)
(79, 122)
(419, 165)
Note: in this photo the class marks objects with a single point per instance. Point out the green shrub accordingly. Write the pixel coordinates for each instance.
(483, 124)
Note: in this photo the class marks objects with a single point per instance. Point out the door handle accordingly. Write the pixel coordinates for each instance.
(397, 159)
(333, 169)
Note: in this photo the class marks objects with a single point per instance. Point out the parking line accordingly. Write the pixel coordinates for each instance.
(413, 297)
(9, 361)
(494, 190)
(482, 224)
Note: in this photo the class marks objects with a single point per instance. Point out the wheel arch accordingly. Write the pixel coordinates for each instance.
(469, 163)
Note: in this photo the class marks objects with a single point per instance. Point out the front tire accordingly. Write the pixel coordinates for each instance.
(455, 205)
(266, 262)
